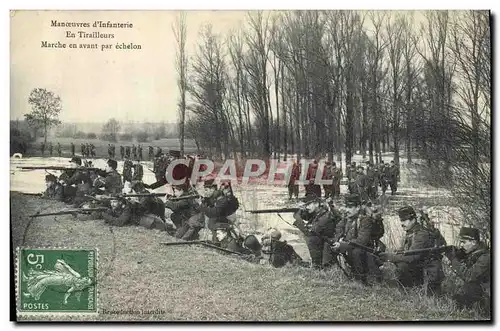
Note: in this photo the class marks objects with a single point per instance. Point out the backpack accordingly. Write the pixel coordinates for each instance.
(378, 229)
(233, 204)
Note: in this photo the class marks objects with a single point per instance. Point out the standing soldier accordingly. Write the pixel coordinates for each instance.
(317, 223)
(158, 150)
(127, 152)
(59, 149)
(51, 148)
(92, 150)
(127, 170)
(72, 149)
(293, 187)
(113, 150)
(337, 177)
(134, 151)
(351, 177)
(472, 263)
(138, 171)
(122, 151)
(393, 177)
(328, 175)
(312, 189)
(418, 269)
(362, 183)
(139, 149)
(83, 149)
(110, 153)
(42, 148)
(151, 152)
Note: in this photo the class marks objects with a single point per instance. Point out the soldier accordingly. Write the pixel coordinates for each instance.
(293, 187)
(110, 153)
(83, 150)
(363, 228)
(92, 150)
(384, 176)
(182, 209)
(59, 151)
(312, 189)
(139, 150)
(54, 190)
(121, 213)
(317, 223)
(362, 183)
(158, 151)
(134, 151)
(122, 151)
(42, 148)
(127, 170)
(150, 210)
(250, 247)
(51, 148)
(113, 151)
(393, 177)
(76, 183)
(351, 177)
(328, 175)
(420, 269)
(72, 150)
(337, 178)
(150, 152)
(127, 151)
(138, 171)
(112, 182)
(472, 263)
(280, 252)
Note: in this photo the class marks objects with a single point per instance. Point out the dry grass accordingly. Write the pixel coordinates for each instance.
(189, 283)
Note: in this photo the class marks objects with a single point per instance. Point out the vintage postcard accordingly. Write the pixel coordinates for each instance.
(314, 165)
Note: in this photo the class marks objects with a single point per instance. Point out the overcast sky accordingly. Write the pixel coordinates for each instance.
(96, 85)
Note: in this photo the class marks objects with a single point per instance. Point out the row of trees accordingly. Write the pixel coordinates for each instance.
(330, 82)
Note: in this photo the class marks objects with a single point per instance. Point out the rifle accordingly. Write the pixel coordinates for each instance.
(201, 242)
(71, 211)
(185, 197)
(277, 210)
(58, 168)
(439, 249)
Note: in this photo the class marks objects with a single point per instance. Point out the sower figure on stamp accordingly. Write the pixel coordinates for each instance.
(472, 263)
(419, 269)
(317, 223)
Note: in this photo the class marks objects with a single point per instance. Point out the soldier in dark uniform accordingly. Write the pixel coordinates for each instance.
(393, 177)
(362, 183)
(72, 149)
(312, 189)
(472, 263)
(54, 190)
(42, 148)
(59, 151)
(120, 213)
(110, 154)
(150, 152)
(293, 187)
(51, 148)
(113, 151)
(138, 171)
(182, 209)
(328, 175)
(122, 151)
(280, 252)
(127, 151)
(317, 223)
(112, 182)
(139, 150)
(82, 147)
(76, 183)
(337, 178)
(249, 246)
(351, 177)
(127, 170)
(384, 176)
(134, 151)
(421, 269)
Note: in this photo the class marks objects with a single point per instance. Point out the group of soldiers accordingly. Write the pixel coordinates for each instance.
(50, 148)
(348, 236)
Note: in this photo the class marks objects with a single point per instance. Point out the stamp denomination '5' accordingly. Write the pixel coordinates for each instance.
(57, 281)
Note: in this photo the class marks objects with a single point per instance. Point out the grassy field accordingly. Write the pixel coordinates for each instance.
(102, 146)
(188, 283)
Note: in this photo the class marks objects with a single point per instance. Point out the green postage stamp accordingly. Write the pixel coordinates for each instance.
(56, 281)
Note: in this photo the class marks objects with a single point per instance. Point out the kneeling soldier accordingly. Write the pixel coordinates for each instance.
(54, 189)
(280, 252)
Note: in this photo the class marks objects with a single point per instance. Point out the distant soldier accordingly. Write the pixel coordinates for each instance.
(112, 182)
(54, 190)
(83, 149)
(293, 187)
(384, 176)
(122, 151)
(158, 151)
(317, 223)
(51, 148)
(393, 177)
(113, 151)
(134, 151)
(127, 170)
(150, 152)
(337, 178)
(312, 189)
(72, 149)
(280, 252)
(127, 151)
(139, 150)
(59, 151)
(361, 184)
(42, 148)
(92, 150)
(328, 175)
(138, 171)
(419, 269)
(372, 180)
(351, 178)
(472, 263)
(360, 227)
(110, 152)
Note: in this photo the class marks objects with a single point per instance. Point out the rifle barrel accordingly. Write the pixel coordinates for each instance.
(71, 211)
(439, 249)
(278, 210)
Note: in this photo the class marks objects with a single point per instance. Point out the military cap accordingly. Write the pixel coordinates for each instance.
(252, 243)
(222, 226)
(112, 163)
(175, 153)
(50, 178)
(76, 159)
(406, 213)
(353, 199)
(469, 233)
